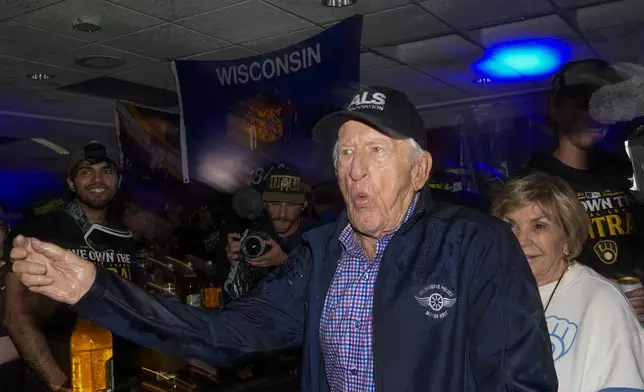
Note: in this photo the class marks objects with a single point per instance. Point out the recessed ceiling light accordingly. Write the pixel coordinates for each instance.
(483, 80)
(338, 3)
(40, 76)
(86, 25)
(99, 62)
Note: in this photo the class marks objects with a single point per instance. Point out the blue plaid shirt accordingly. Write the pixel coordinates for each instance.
(346, 326)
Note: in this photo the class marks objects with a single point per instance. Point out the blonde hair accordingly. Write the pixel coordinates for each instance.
(556, 199)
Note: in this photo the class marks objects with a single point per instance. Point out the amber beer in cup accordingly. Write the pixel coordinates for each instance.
(210, 292)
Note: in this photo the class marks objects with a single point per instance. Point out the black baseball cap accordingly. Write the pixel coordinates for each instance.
(93, 151)
(579, 80)
(284, 185)
(385, 109)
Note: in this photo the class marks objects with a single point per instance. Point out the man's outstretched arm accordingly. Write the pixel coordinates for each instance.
(269, 320)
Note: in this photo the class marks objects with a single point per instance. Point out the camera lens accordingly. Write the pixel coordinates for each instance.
(253, 247)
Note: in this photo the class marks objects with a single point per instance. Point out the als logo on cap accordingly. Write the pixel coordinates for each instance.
(368, 100)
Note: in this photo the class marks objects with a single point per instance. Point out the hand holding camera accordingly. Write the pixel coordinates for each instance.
(256, 247)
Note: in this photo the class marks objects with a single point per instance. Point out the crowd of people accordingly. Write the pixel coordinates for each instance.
(400, 292)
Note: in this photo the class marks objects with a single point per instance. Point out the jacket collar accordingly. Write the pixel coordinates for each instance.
(333, 247)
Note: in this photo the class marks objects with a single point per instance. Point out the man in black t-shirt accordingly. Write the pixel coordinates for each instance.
(614, 246)
(41, 328)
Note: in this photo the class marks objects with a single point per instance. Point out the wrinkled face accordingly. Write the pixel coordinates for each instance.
(578, 126)
(542, 240)
(378, 177)
(94, 184)
(285, 216)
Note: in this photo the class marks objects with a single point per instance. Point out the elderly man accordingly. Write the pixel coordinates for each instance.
(398, 295)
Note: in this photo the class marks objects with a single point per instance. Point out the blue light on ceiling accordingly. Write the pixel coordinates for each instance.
(513, 61)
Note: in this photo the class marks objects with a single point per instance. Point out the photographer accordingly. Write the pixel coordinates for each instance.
(285, 199)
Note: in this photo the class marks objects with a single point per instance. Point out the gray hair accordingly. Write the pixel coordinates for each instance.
(415, 151)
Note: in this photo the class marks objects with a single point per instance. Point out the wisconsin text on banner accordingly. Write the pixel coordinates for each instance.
(270, 67)
(258, 112)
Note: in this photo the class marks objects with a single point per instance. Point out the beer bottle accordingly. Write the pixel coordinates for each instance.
(92, 363)
(210, 292)
(191, 289)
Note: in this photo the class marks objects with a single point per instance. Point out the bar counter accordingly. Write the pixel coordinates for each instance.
(158, 372)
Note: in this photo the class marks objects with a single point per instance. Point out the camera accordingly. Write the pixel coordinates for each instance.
(253, 243)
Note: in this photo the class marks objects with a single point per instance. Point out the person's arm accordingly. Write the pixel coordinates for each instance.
(271, 319)
(510, 347)
(24, 316)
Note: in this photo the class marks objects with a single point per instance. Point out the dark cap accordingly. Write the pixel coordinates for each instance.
(94, 152)
(285, 186)
(580, 79)
(385, 109)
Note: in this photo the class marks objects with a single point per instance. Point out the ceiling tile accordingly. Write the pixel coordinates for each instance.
(577, 3)
(166, 41)
(402, 25)
(621, 13)
(54, 103)
(8, 61)
(459, 73)
(113, 19)
(67, 59)
(281, 41)
(371, 62)
(159, 75)
(174, 9)
(10, 9)
(532, 29)
(245, 22)
(420, 88)
(17, 76)
(429, 50)
(229, 53)
(616, 44)
(27, 42)
(483, 12)
(313, 11)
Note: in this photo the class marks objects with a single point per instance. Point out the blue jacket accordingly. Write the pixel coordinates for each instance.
(486, 333)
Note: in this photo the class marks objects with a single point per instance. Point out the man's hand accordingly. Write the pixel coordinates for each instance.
(637, 302)
(274, 257)
(233, 248)
(47, 269)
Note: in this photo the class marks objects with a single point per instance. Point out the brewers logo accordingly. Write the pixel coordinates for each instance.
(607, 251)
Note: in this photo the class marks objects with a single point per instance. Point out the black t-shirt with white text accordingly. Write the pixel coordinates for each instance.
(59, 228)
(614, 246)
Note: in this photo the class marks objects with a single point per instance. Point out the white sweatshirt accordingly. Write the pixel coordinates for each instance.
(597, 341)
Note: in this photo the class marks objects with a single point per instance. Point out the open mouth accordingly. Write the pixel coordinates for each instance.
(360, 199)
